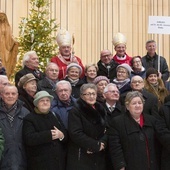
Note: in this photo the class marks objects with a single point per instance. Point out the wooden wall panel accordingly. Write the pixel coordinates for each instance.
(95, 22)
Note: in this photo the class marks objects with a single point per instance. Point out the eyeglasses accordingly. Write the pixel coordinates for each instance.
(107, 55)
(137, 81)
(89, 94)
(113, 91)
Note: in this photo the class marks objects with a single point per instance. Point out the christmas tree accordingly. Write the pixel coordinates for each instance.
(37, 33)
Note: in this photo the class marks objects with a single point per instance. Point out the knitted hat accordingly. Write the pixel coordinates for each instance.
(25, 79)
(126, 66)
(39, 95)
(74, 65)
(100, 78)
(63, 38)
(119, 38)
(151, 71)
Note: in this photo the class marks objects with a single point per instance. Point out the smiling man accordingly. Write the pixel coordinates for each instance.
(30, 65)
(12, 113)
(151, 60)
(119, 42)
(66, 55)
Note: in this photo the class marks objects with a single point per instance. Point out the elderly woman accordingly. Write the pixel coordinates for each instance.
(74, 72)
(155, 85)
(123, 78)
(27, 87)
(90, 73)
(137, 68)
(101, 82)
(132, 142)
(86, 126)
(44, 135)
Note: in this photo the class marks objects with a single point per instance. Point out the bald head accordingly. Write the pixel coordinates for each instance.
(137, 83)
(106, 56)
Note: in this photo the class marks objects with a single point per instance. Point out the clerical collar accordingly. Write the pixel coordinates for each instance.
(121, 57)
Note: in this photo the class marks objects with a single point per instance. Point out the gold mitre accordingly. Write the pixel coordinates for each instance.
(119, 38)
(63, 38)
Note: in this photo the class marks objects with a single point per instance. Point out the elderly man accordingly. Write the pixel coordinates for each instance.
(3, 82)
(12, 113)
(63, 103)
(30, 65)
(106, 65)
(65, 56)
(112, 104)
(151, 60)
(151, 102)
(48, 83)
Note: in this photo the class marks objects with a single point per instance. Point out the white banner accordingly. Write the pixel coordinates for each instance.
(159, 25)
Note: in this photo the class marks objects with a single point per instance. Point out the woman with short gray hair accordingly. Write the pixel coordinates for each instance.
(132, 142)
(87, 127)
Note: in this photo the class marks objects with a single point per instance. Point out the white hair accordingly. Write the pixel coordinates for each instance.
(107, 87)
(27, 57)
(63, 82)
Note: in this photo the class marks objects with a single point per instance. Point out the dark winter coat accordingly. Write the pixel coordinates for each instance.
(148, 62)
(131, 146)
(25, 71)
(26, 99)
(165, 114)
(86, 127)
(13, 156)
(109, 72)
(42, 152)
(119, 109)
(44, 84)
(150, 105)
(76, 88)
(62, 109)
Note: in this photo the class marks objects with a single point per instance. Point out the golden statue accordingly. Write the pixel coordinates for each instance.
(8, 45)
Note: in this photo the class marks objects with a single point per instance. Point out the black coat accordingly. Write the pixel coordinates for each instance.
(86, 127)
(109, 72)
(25, 71)
(165, 114)
(119, 109)
(42, 152)
(148, 62)
(76, 88)
(26, 99)
(151, 102)
(131, 146)
(13, 156)
(44, 84)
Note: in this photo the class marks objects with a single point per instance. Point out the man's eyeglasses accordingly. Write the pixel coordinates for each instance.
(112, 91)
(137, 81)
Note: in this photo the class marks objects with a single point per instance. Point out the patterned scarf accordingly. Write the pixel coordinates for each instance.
(10, 112)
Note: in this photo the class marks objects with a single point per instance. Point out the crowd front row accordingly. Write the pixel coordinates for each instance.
(89, 138)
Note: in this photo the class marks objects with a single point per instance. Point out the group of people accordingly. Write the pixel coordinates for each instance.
(112, 115)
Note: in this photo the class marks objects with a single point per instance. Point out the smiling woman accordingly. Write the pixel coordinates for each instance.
(155, 85)
(132, 142)
(44, 135)
(74, 72)
(87, 127)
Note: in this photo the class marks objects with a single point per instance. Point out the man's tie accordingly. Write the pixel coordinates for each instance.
(111, 108)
